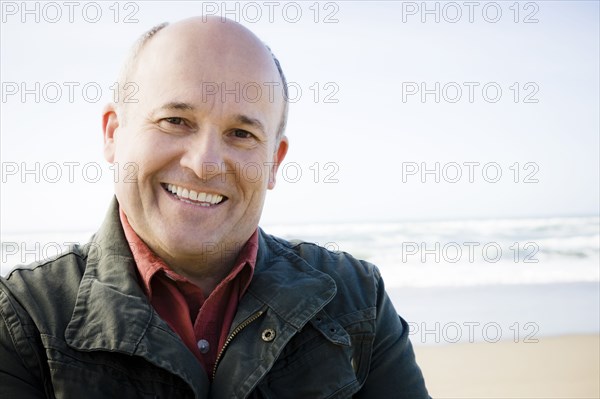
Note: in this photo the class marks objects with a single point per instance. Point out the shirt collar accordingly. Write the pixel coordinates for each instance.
(149, 264)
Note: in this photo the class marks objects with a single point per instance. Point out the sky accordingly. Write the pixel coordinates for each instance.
(399, 110)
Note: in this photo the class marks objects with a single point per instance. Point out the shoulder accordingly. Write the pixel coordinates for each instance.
(36, 302)
(51, 271)
(324, 259)
(37, 287)
(354, 278)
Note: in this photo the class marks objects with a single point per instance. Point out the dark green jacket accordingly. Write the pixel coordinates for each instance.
(313, 324)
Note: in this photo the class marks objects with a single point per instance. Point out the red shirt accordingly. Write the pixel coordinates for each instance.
(202, 323)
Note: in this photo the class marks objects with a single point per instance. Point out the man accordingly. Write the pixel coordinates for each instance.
(180, 294)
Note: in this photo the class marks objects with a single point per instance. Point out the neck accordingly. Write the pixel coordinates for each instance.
(206, 272)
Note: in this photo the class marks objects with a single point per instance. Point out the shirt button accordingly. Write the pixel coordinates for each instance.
(204, 346)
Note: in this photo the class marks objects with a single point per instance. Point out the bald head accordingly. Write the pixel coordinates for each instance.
(216, 44)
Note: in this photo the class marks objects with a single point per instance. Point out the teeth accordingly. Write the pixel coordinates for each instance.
(206, 199)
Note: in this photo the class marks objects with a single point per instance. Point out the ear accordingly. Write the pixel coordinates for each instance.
(110, 124)
(278, 157)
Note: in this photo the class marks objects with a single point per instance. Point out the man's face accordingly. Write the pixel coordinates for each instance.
(195, 160)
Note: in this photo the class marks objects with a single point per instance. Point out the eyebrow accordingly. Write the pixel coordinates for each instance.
(179, 106)
(246, 120)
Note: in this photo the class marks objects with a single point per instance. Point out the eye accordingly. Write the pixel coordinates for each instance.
(174, 120)
(174, 124)
(242, 134)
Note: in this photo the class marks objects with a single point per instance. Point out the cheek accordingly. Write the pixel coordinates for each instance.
(125, 146)
(132, 170)
(249, 165)
(142, 153)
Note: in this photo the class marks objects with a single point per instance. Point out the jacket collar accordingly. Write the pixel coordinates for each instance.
(288, 284)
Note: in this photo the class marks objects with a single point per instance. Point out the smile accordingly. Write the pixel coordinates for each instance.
(194, 197)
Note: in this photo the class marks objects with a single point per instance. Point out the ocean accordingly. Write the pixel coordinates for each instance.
(467, 252)
(453, 281)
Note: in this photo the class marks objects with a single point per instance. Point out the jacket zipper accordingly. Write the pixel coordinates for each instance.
(231, 336)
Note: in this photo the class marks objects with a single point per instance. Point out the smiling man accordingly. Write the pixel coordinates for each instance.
(189, 136)
(180, 294)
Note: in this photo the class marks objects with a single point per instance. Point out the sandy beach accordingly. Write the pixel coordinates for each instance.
(554, 367)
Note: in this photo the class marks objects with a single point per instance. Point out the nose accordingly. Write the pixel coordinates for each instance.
(204, 153)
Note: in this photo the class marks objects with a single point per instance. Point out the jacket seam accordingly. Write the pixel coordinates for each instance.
(26, 338)
(10, 327)
(49, 261)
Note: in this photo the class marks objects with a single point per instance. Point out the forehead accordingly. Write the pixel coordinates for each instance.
(208, 66)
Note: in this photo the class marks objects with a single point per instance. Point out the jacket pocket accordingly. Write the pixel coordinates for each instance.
(110, 375)
(324, 360)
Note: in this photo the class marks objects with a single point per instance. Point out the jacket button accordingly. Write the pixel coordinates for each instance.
(268, 335)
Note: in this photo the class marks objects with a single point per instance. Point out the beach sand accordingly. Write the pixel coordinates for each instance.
(554, 367)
